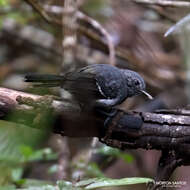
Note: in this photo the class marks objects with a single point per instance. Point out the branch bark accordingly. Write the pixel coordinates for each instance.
(159, 130)
(163, 130)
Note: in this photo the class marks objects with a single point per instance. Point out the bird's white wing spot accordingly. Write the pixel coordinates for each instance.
(100, 90)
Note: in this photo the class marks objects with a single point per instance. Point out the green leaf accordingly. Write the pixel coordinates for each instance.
(94, 170)
(13, 136)
(46, 187)
(5, 173)
(97, 7)
(128, 158)
(65, 185)
(92, 183)
(26, 151)
(4, 2)
(53, 169)
(36, 155)
(8, 187)
(106, 182)
(109, 151)
(40, 185)
(87, 182)
(16, 173)
(26, 183)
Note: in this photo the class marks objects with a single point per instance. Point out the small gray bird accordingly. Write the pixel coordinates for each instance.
(100, 85)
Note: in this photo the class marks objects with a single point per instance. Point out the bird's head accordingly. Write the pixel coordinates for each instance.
(135, 83)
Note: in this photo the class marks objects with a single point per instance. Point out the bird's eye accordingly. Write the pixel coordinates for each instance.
(137, 82)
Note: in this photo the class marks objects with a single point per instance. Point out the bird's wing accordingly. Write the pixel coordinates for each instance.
(82, 85)
(93, 69)
(108, 79)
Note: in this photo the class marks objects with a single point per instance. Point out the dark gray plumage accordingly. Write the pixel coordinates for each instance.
(99, 84)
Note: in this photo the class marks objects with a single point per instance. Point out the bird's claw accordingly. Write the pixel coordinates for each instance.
(107, 113)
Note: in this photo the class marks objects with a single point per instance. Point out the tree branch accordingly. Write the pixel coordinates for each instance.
(165, 131)
(162, 130)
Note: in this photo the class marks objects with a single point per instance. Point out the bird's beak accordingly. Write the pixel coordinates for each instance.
(147, 94)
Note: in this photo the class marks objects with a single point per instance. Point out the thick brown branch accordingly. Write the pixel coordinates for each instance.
(169, 132)
(155, 131)
(126, 129)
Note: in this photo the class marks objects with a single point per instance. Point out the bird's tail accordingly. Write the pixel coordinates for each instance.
(45, 80)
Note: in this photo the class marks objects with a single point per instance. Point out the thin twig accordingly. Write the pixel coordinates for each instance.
(103, 31)
(81, 29)
(96, 25)
(40, 10)
(167, 3)
(69, 27)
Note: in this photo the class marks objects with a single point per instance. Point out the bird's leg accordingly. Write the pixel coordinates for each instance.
(110, 116)
(107, 112)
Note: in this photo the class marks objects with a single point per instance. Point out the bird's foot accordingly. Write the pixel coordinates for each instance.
(107, 113)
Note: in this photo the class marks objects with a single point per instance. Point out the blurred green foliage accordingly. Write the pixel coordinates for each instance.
(99, 9)
(4, 2)
(92, 183)
(30, 154)
(94, 170)
(20, 15)
(17, 143)
(13, 136)
(114, 152)
(107, 182)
